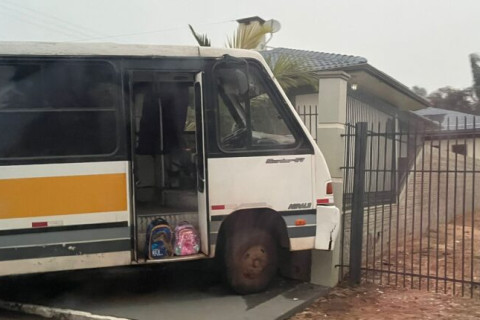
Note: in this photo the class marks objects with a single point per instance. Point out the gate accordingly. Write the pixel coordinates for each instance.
(411, 213)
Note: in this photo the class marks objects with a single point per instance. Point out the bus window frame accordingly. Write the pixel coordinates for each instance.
(118, 109)
(302, 144)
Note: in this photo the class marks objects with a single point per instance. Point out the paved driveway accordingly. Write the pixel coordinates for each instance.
(190, 290)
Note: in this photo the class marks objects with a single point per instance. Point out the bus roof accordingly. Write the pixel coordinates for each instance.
(115, 49)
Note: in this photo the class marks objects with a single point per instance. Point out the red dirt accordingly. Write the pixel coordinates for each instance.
(371, 301)
(375, 302)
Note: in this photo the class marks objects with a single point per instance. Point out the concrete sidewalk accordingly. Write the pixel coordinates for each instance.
(13, 315)
(182, 291)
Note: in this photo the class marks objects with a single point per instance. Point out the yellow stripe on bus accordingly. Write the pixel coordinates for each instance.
(48, 196)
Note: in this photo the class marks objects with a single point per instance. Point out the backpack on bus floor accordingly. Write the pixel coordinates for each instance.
(187, 240)
(159, 239)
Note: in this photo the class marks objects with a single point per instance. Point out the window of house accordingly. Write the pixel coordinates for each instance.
(56, 109)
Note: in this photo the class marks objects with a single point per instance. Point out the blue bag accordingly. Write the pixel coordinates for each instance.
(159, 240)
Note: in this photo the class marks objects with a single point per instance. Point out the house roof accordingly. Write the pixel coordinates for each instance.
(369, 78)
(315, 61)
(448, 119)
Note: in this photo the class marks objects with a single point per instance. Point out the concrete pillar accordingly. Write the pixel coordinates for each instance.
(332, 109)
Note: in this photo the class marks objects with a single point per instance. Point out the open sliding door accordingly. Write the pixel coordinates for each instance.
(201, 164)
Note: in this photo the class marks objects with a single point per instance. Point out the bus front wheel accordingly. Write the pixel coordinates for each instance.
(251, 261)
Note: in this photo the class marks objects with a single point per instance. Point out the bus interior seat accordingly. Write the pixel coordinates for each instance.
(147, 175)
(165, 166)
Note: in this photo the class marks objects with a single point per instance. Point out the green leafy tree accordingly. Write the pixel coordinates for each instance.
(449, 98)
(422, 92)
(464, 100)
(475, 63)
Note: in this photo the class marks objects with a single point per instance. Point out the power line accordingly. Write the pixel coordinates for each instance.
(69, 29)
(74, 27)
(150, 32)
(21, 17)
(44, 18)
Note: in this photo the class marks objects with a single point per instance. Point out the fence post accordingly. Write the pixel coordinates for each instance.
(356, 235)
(332, 102)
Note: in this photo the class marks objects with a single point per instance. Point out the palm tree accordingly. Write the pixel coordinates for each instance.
(289, 72)
(249, 37)
(202, 39)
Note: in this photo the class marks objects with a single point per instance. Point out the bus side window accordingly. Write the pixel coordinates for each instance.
(16, 86)
(58, 109)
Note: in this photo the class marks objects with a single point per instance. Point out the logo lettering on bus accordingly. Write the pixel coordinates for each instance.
(304, 205)
(296, 160)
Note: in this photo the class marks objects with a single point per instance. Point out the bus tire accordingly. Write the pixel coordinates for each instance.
(251, 260)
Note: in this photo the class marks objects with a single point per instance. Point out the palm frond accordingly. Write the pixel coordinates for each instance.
(202, 39)
(248, 37)
(291, 73)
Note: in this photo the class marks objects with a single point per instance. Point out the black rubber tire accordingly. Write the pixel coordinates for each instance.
(251, 261)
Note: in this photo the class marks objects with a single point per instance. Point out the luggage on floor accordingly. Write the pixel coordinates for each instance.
(159, 239)
(187, 240)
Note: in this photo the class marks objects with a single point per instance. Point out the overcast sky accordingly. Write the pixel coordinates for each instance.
(423, 42)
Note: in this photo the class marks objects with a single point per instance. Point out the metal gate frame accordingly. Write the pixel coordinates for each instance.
(424, 236)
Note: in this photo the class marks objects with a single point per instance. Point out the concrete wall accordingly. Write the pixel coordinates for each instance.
(472, 145)
(331, 101)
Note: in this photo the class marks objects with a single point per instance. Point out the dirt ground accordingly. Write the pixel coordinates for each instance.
(445, 259)
(374, 301)
(446, 251)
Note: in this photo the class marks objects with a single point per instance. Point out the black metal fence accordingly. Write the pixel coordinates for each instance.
(424, 233)
(309, 116)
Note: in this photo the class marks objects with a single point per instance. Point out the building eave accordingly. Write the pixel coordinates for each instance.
(416, 101)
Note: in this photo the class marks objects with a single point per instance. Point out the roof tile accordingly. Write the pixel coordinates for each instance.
(315, 61)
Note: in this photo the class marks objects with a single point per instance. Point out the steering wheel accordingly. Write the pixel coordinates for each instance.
(266, 141)
(235, 139)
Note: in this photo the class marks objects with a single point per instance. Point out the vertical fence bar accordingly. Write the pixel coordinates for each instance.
(377, 165)
(304, 113)
(472, 246)
(446, 206)
(439, 168)
(384, 135)
(393, 188)
(369, 193)
(356, 231)
(422, 186)
(464, 206)
(313, 126)
(397, 243)
(310, 118)
(454, 240)
(346, 174)
(429, 210)
(414, 192)
(407, 135)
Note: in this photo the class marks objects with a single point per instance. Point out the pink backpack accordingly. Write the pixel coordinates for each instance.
(187, 240)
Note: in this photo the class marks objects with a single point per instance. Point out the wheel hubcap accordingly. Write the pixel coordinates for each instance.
(254, 261)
